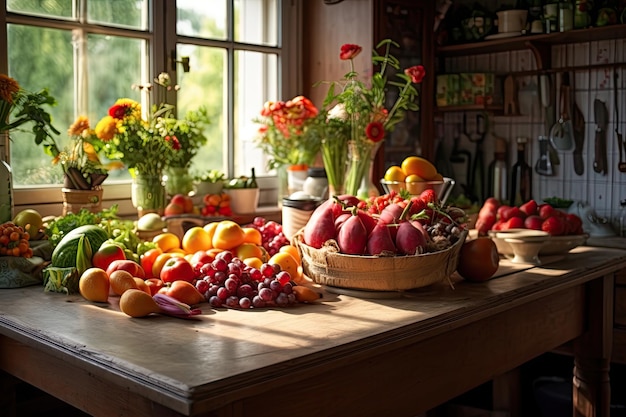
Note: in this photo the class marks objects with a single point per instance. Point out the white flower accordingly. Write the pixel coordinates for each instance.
(338, 112)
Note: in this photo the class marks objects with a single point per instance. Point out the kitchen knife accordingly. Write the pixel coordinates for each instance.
(602, 118)
(578, 124)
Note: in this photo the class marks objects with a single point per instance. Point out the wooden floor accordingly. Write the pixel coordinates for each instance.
(32, 402)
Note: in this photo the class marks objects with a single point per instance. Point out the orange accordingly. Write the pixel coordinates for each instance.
(228, 235)
(293, 251)
(94, 285)
(286, 262)
(137, 303)
(167, 241)
(419, 166)
(121, 281)
(394, 173)
(252, 235)
(196, 239)
(248, 250)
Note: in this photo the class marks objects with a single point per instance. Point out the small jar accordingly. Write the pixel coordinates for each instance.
(316, 183)
(296, 214)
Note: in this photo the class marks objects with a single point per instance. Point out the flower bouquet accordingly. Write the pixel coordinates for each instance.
(362, 107)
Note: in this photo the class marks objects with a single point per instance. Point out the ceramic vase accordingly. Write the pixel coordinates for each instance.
(148, 193)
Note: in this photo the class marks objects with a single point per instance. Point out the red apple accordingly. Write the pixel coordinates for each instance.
(176, 269)
(106, 254)
(200, 258)
(173, 209)
(127, 265)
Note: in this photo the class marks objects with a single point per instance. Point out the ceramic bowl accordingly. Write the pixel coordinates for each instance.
(556, 245)
(525, 245)
(442, 188)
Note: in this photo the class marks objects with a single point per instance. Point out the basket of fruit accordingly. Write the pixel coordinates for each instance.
(408, 244)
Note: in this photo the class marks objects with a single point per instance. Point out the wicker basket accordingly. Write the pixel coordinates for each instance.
(375, 273)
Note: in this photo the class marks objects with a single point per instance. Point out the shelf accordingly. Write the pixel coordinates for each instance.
(539, 41)
(471, 107)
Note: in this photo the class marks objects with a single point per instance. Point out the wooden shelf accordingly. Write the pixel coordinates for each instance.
(471, 107)
(533, 41)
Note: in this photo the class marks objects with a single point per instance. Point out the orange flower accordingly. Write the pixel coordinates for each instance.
(349, 51)
(79, 126)
(8, 87)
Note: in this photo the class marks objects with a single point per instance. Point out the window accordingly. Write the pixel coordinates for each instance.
(88, 53)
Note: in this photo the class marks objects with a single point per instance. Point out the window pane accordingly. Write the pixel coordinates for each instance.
(41, 58)
(56, 8)
(256, 21)
(201, 19)
(114, 65)
(204, 86)
(123, 13)
(256, 77)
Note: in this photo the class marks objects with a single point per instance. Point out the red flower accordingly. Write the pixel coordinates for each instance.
(416, 73)
(118, 111)
(349, 51)
(175, 142)
(375, 131)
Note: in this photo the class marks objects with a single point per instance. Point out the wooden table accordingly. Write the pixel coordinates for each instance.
(349, 356)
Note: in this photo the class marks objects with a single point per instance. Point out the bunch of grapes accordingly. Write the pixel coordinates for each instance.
(14, 241)
(272, 234)
(228, 282)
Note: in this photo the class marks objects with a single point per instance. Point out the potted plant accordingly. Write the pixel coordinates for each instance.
(244, 194)
(210, 182)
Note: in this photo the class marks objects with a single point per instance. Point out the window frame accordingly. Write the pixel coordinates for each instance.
(162, 42)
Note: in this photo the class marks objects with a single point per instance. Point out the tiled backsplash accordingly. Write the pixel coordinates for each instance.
(602, 192)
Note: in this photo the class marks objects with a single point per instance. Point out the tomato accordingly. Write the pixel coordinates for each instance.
(478, 259)
(177, 268)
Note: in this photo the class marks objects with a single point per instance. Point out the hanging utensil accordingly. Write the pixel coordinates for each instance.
(561, 131)
(547, 101)
(602, 118)
(621, 145)
(579, 139)
(543, 165)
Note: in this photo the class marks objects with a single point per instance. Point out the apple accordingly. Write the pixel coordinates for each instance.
(173, 209)
(184, 201)
(126, 265)
(200, 258)
(175, 269)
(106, 254)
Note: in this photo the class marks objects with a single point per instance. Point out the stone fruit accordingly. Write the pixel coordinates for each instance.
(228, 235)
(166, 241)
(196, 239)
(478, 259)
(184, 291)
(151, 222)
(106, 254)
(126, 265)
(177, 269)
(94, 285)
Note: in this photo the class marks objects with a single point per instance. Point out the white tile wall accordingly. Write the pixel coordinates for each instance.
(603, 192)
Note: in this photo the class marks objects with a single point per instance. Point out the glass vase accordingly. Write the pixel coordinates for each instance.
(368, 187)
(148, 193)
(178, 181)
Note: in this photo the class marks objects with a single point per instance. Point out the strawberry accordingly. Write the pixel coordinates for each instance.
(510, 213)
(533, 222)
(529, 207)
(501, 210)
(513, 223)
(553, 225)
(428, 196)
(545, 211)
(574, 224)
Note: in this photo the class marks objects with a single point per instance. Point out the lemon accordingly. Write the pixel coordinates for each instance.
(394, 173)
(413, 178)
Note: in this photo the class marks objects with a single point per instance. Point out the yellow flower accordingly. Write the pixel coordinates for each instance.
(106, 128)
(79, 126)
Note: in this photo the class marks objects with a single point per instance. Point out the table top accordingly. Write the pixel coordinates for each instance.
(227, 350)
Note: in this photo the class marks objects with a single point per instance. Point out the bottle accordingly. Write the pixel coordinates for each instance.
(6, 182)
(252, 181)
(622, 218)
(498, 172)
(521, 176)
(550, 16)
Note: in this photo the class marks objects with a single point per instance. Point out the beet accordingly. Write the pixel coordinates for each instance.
(410, 240)
(380, 242)
(352, 236)
(391, 214)
(321, 226)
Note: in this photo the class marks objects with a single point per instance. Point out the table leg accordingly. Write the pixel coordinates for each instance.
(591, 385)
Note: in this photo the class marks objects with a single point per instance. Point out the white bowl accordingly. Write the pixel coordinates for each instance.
(556, 245)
